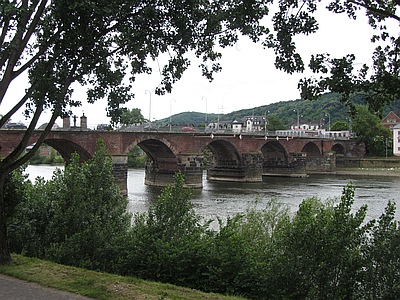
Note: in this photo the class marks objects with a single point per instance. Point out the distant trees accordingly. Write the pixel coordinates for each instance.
(274, 123)
(339, 125)
(369, 130)
(131, 117)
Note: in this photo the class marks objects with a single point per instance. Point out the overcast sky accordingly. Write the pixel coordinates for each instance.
(248, 77)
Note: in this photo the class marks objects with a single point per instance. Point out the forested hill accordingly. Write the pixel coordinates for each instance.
(309, 112)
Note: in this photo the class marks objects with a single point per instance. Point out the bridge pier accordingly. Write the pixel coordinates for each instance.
(250, 169)
(294, 166)
(325, 163)
(161, 172)
(120, 170)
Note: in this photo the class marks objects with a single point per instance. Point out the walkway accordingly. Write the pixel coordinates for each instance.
(15, 289)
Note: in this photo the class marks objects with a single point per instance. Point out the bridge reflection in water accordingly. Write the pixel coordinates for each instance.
(226, 157)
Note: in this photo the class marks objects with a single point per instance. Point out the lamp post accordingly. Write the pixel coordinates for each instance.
(170, 115)
(298, 118)
(329, 120)
(149, 92)
(265, 123)
(206, 119)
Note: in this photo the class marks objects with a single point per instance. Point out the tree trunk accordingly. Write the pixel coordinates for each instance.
(5, 256)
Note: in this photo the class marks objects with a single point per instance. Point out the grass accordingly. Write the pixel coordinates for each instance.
(98, 285)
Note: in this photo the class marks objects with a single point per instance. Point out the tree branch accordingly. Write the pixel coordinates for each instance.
(378, 11)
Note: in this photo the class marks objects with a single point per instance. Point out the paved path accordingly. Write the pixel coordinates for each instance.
(15, 289)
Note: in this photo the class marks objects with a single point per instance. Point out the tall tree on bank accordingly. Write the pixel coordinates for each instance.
(99, 43)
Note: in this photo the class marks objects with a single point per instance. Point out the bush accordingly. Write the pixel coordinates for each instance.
(78, 218)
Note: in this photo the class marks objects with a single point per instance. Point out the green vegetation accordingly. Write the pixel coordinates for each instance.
(326, 250)
(77, 216)
(131, 117)
(49, 158)
(98, 285)
(370, 131)
(136, 158)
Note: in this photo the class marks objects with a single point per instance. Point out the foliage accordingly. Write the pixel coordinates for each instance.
(168, 243)
(77, 218)
(320, 250)
(274, 123)
(131, 117)
(381, 277)
(14, 191)
(187, 118)
(51, 158)
(378, 83)
(136, 158)
(340, 125)
(369, 130)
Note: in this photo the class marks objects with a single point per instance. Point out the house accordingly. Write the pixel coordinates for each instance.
(237, 126)
(391, 120)
(396, 140)
(254, 123)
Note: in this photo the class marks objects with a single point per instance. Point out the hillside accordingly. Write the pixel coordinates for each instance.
(315, 111)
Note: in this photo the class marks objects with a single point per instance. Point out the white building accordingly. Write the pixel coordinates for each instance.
(396, 140)
(237, 126)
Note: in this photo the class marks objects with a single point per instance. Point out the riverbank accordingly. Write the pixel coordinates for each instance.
(95, 285)
(378, 171)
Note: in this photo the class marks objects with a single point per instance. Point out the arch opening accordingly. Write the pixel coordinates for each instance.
(312, 150)
(274, 155)
(66, 148)
(223, 162)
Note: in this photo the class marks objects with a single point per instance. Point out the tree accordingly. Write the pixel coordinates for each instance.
(131, 117)
(369, 130)
(98, 44)
(378, 84)
(340, 125)
(274, 123)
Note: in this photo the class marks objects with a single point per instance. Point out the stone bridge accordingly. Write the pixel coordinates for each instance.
(243, 158)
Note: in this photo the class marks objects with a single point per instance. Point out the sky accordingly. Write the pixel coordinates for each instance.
(248, 78)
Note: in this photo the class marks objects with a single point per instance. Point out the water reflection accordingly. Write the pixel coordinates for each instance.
(223, 198)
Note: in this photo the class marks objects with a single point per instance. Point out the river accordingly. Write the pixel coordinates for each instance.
(224, 199)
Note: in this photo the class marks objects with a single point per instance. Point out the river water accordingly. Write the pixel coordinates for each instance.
(224, 199)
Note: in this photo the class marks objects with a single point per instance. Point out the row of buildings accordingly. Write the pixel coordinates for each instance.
(256, 125)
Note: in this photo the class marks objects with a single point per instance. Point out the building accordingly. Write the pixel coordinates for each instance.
(254, 123)
(237, 126)
(391, 120)
(396, 140)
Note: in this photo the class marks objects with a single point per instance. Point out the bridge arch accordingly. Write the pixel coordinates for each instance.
(225, 162)
(161, 164)
(224, 153)
(157, 150)
(338, 148)
(66, 148)
(274, 154)
(312, 150)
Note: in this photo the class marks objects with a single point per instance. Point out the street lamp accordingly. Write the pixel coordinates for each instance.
(149, 92)
(170, 114)
(298, 118)
(206, 119)
(329, 120)
(265, 123)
